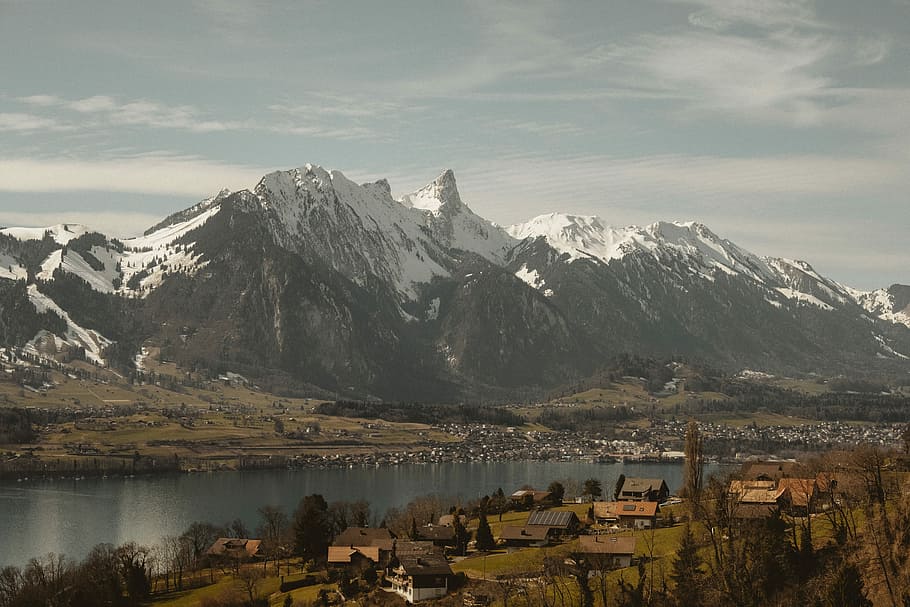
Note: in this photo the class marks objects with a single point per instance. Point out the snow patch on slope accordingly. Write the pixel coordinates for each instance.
(10, 268)
(93, 342)
(531, 277)
(62, 233)
(803, 298)
(880, 303)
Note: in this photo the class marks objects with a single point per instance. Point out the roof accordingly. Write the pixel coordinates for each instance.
(448, 520)
(625, 509)
(234, 546)
(364, 536)
(407, 547)
(436, 533)
(538, 496)
(343, 554)
(756, 492)
(602, 544)
(801, 490)
(642, 484)
(428, 564)
(536, 533)
(562, 519)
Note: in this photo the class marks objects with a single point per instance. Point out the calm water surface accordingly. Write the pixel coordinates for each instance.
(69, 517)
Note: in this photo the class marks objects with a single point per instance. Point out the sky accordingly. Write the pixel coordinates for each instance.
(782, 125)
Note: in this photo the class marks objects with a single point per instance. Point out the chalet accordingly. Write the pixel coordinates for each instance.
(604, 552)
(357, 548)
(524, 537)
(643, 490)
(802, 494)
(529, 498)
(439, 535)
(557, 522)
(234, 548)
(419, 573)
(757, 499)
(639, 515)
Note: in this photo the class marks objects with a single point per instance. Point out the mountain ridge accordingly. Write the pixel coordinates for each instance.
(339, 285)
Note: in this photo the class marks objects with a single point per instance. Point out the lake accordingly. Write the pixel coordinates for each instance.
(70, 516)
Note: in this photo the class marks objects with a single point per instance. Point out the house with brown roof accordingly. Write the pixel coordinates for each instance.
(234, 548)
(529, 498)
(638, 515)
(354, 545)
(643, 490)
(437, 534)
(756, 499)
(420, 574)
(604, 552)
(524, 537)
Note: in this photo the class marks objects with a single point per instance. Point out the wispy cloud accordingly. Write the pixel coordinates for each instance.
(159, 173)
(18, 122)
(108, 110)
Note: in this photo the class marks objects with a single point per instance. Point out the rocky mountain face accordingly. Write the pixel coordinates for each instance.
(313, 281)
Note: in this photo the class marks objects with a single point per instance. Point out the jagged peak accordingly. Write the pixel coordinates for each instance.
(439, 196)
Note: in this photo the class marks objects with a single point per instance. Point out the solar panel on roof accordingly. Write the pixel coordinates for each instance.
(628, 508)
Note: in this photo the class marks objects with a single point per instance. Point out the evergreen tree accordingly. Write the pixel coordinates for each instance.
(694, 450)
(592, 489)
(312, 529)
(686, 574)
(484, 536)
(557, 492)
(462, 537)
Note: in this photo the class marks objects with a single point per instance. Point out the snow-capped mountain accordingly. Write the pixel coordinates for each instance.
(317, 280)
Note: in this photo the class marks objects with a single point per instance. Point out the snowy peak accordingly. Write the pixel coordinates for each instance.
(439, 196)
(580, 237)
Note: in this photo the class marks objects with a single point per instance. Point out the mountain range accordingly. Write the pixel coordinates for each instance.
(311, 281)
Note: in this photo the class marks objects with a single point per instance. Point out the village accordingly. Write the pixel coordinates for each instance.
(474, 555)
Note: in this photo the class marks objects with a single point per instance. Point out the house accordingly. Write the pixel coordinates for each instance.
(529, 498)
(604, 552)
(524, 537)
(802, 493)
(439, 535)
(234, 548)
(757, 499)
(448, 520)
(365, 536)
(557, 522)
(638, 515)
(354, 545)
(419, 573)
(355, 559)
(643, 490)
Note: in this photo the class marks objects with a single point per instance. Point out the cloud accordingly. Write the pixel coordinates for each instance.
(720, 14)
(17, 122)
(162, 173)
(106, 110)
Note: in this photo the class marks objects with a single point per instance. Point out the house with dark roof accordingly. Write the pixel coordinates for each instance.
(639, 515)
(524, 537)
(419, 575)
(558, 522)
(604, 552)
(439, 535)
(643, 490)
(234, 548)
